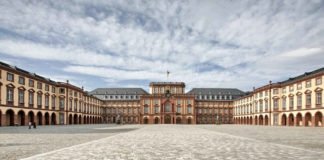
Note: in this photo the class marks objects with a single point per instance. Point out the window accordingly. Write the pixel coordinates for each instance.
(189, 110)
(21, 80)
(21, 95)
(167, 107)
(39, 85)
(188, 101)
(284, 90)
(0, 74)
(39, 100)
(75, 105)
(53, 102)
(61, 103)
(318, 98)
(291, 102)
(284, 103)
(299, 100)
(275, 91)
(178, 109)
(62, 90)
(46, 101)
(266, 105)
(53, 89)
(75, 94)
(275, 103)
(31, 98)
(308, 99)
(31, 83)
(10, 77)
(10, 95)
(299, 86)
(308, 84)
(146, 109)
(318, 81)
(46, 87)
(291, 88)
(261, 106)
(156, 109)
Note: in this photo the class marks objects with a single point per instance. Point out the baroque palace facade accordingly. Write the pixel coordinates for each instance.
(27, 97)
(297, 101)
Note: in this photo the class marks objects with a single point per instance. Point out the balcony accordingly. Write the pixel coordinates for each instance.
(291, 108)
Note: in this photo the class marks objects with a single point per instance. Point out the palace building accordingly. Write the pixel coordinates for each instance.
(27, 97)
(297, 101)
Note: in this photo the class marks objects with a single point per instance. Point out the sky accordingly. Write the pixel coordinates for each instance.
(204, 43)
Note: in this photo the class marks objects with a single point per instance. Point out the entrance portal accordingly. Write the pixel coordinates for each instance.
(167, 119)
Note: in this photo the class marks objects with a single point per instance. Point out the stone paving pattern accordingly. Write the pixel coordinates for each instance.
(20, 142)
(199, 142)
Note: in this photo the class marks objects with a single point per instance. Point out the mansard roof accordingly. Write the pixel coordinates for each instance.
(216, 91)
(118, 91)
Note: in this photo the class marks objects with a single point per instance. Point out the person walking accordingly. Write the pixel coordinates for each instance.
(29, 125)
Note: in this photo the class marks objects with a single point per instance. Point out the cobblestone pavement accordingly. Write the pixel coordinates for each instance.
(20, 142)
(190, 142)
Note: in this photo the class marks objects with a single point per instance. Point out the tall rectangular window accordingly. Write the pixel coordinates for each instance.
(31, 98)
(291, 102)
(156, 109)
(299, 100)
(308, 84)
(318, 81)
(318, 98)
(10, 94)
(53, 102)
(189, 110)
(308, 99)
(178, 109)
(275, 103)
(284, 103)
(61, 103)
(46, 101)
(46, 87)
(39, 100)
(21, 96)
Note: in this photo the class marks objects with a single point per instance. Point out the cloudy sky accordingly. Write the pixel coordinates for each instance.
(237, 44)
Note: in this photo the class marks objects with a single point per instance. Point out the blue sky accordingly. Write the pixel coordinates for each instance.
(236, 44)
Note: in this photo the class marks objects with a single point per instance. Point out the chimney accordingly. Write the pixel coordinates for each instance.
(82, 88)
(67, 81)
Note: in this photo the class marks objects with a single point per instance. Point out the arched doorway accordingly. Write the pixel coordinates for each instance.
(291, 119)
(299, 119)
(156, 120)
(167, 119)
(189, 120)
(251, 120)
(318, 119)
(178, 120)
(40, 118)
(308, 119)
(75, 119)
(256, 120)
(70, 119)
(47, 118)
(80, 119)
(10, 117)
(266, 120)
(53, 119)
(21, 118)
(260, 120)
(84, 120)
(284, 120)
(31, 117)
(145, 121)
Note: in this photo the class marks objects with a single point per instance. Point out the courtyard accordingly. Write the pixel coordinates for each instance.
(161, 142)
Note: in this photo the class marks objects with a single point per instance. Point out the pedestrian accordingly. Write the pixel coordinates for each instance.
(29, 124)
(34, 125)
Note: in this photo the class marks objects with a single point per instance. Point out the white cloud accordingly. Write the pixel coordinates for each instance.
(246, 42)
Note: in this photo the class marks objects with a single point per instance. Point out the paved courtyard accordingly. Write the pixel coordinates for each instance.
(162, 142)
